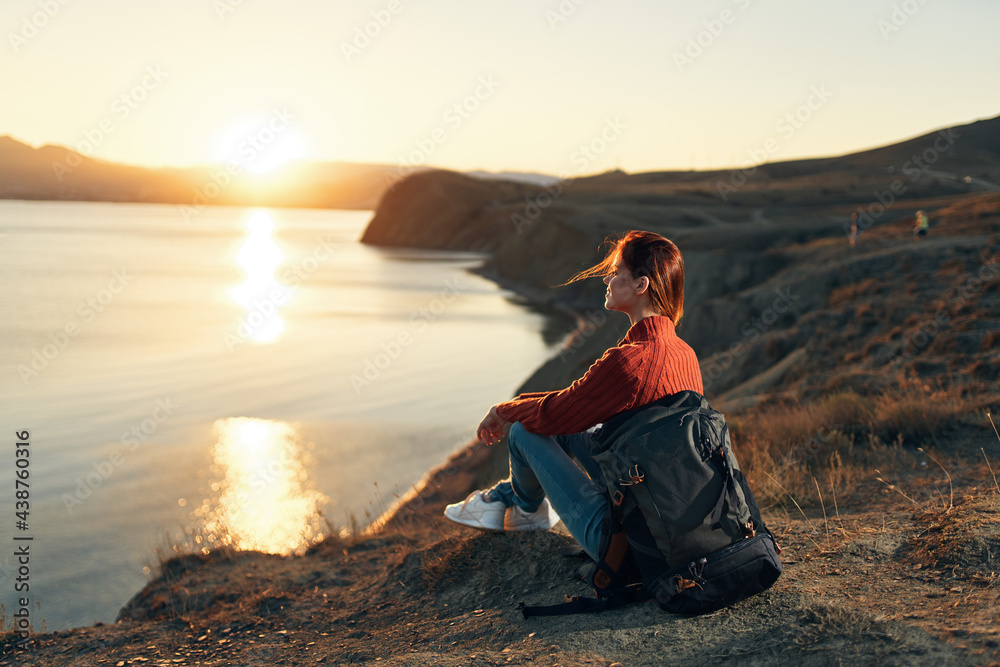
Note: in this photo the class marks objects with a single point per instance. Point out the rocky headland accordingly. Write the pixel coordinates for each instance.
(857, 381)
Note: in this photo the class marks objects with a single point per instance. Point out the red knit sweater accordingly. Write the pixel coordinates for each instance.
(651, 362)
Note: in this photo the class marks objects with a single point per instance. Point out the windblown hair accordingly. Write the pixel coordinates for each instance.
(653, 256)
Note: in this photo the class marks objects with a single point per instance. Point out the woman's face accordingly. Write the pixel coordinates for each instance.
(621, 294)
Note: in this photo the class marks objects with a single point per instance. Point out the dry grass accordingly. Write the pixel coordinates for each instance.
(915, 416)
(853, 292)
(9, 628)
(832, 444)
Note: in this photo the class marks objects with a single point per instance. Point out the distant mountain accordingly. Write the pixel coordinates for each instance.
(58, 173)
(962, 150)
(950, 161)
(963, 147)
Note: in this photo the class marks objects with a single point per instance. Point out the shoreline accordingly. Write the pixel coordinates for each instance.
(96, 558)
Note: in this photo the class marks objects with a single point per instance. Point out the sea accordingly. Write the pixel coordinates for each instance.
(174, 380)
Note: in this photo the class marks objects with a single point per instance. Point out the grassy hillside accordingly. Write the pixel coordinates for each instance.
(803, 338)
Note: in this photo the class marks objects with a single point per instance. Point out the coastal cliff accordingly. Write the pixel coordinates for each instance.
(780, 308)
(766, 251)
(857, 382)
(417, 590)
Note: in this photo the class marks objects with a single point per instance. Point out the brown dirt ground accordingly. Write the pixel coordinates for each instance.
(880, 581)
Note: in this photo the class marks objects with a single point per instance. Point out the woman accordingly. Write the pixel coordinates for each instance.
(644, 273)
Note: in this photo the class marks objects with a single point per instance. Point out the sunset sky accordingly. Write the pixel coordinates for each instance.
(513, 85)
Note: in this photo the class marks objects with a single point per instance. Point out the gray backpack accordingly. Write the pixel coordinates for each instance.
(684, 529)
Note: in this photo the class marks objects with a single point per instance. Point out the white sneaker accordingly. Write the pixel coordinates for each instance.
(541, 519)
(477, 512)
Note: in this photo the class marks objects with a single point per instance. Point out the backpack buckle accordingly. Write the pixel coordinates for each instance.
(617, 498)
(748, 529)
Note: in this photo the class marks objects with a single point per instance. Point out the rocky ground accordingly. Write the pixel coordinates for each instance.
(880, 581)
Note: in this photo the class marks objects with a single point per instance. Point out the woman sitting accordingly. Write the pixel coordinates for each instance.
(644, 273)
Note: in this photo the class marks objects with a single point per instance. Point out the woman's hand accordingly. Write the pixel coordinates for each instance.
(492, 428)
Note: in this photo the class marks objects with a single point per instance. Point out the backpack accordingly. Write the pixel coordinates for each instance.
(684, 528)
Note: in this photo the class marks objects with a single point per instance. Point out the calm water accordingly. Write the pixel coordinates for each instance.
(233, 377)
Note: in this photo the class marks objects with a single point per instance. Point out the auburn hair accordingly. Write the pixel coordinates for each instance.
(653, 256)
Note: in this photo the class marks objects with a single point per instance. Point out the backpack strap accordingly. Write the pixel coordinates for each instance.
(605, 575)
(584, 605)
(731, 490)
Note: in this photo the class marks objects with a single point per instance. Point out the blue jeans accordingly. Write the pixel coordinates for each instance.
(540, 466)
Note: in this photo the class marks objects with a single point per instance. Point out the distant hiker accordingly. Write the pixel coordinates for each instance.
(854, 229)
(644, 273)
(922, 225)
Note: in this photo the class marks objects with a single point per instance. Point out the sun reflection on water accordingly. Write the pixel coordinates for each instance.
(263, 503)
(261, 294)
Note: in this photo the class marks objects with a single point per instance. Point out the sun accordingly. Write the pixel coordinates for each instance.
(261, 143)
